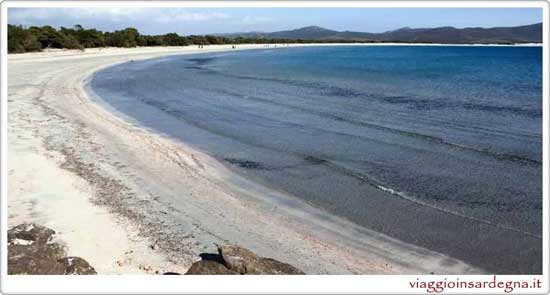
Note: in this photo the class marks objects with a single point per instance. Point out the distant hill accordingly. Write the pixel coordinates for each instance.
(446, 35)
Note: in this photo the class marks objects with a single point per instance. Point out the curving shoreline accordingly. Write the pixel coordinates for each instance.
(170, 202)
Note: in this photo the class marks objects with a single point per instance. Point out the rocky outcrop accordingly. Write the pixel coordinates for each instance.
(35, 259)
(237, 260)
(76, 266)
(209, 267)
(245, 261)
(30, 233)
(31, 251)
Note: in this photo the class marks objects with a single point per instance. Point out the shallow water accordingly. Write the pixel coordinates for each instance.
(436, 146)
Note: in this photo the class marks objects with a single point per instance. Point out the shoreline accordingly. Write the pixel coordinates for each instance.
(64, 51)
(159, 198)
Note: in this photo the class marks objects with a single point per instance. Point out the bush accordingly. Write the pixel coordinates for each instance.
(37, 38)
(70, 42)
(21, 40)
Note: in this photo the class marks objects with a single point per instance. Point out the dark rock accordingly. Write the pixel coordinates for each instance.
(76, 266)
(275, 267)
(237, 258)
(209, 267)
(245, 261)
(213, 257)
(28, 233)
(170, 274)
(30, 252)
(35, 259)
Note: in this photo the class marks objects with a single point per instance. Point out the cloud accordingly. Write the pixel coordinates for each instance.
(32, 16)
(252, 20)
(28, 15)
(181, 20)
(183, 15)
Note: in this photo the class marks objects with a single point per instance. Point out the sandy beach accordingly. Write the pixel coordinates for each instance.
(131, 201)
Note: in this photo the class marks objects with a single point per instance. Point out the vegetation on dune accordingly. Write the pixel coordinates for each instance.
(21, 39)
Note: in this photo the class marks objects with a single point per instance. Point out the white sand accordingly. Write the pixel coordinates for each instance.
(132, 201)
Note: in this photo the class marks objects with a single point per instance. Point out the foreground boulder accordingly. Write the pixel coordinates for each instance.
(208, 267)
(245, 261)
(35, 259)
(29, 233)
(31, 251)
(237, 260)
(76, 266)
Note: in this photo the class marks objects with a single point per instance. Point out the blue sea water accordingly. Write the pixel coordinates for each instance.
(438, 146)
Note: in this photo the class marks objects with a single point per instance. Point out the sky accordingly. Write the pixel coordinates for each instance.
(185, 21)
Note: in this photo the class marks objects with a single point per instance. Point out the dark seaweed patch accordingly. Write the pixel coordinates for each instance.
(202, 61)
(315, 160)
(194, 68)
(245, 163)
(535, 113)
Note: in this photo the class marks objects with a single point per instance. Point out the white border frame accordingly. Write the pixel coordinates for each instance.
(352, 284)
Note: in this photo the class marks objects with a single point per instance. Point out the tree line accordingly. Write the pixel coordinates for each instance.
(22, 39)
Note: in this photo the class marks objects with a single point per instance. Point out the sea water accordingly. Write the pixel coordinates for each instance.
(438, 146)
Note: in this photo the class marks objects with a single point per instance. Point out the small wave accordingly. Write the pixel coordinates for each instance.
(410, 101)
(416, 200)
(426, 137)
